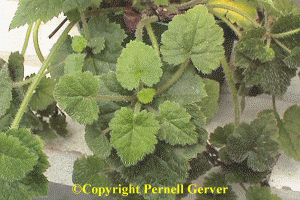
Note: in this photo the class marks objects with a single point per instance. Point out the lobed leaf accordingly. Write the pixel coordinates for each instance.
(176, 127)
(97, 44)
(75, 93)
(5, 89)
(257, 192)
(133, 134)
(16, 66)
(219, 137)
(194, 35)
(74, 63)
(146, 95)
(81, 5)
(79, 43)
(293, 60)
(138, 63)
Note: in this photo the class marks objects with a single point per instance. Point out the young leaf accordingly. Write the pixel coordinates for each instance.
(194, 35)
(30, 11)
(5, 89)
(43, 95)
(74, 94)
(219, 137)
(90, 170)
(257, 192)
(133, 134)
(79, 43)
(176, 127)
(289, 133)
(16, 66)
(97, 44)
(74, 63)
(138, 63)
(81, 5)
(16, 159)
(146, 95)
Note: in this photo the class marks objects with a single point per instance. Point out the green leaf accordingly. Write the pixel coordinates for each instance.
(198, 118)
(79, 43)
(30, 11)
(133, 134)
(289, 133)
(215, 180)
(57, 64)
(199, 166)
(293, 60)
(219, 137)
(188, 89)
(16, 66)
(257, 192)
(286, 7)
(74, 63)
(90, 170)
(43, 95)
(5, 90)
(96, 66)
(161, 2)
(74, 94)
(112, 33)
(81, 5)
(16, 159)
(194, 35)
(97, 141)
(176, 127)
(97, 44)
(138, 63)
(146, 95)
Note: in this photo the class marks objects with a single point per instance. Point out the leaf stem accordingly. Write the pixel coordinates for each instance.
(234, 93)
(274, 108)
(285, 34)
(39, 76)
(36, 40)
(187, 5)
(176, 76)
(115, 98)
(226, 21)
(152, 110)
(25, 45)
(152, 37)
(85, 26)
(227, 7)
(139, 29)
(282, 45)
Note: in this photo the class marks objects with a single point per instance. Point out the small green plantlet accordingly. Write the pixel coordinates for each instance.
(144, 98)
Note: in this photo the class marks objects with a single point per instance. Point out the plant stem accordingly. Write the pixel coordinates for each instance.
(105, 131)
(176, 76)
(274, 108)
(58, 27)
(187, 5)
(227, 7)
(39, 76)
(244, 188)
(137, 107)
(139, 29)
(115, 98)
(36, 40)
(282, 45)
(27, 38)
(225, 20)
(285, 34)
(152, 110)
(152, 37)
(234, 94)
(85, 26)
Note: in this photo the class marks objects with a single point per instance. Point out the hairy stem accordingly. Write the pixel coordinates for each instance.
(39, 76)
(152, 37)
(115, 98)
(27, 39)
(187, 5)
(285, 34)
(139, 29)
(282, 45)
(176, 76)
(274, 108)
(36, 40)
(85, 26)
(234, 94)
(227, 7)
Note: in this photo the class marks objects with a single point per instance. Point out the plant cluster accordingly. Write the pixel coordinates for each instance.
(137, 78)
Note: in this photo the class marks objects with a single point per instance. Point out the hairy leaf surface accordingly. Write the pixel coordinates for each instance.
(5, 89)
(258, 192)
(133, 134)
(16, 66)
(146, 95)
(74, 63)
(79, 43)
(81, 5)
(293, 60)
(219, 137)
(138, 63)
(194, 35)
(97, 44)
(75, 93)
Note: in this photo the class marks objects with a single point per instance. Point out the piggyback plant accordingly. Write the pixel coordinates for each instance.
(136, 77)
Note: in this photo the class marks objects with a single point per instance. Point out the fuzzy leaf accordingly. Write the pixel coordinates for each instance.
(289, 134)
(214, 180)
(146, 95)
(194, 35)
(138, 63)
(112, 33)
(133, 134)
(79, 43)
(30, 11)
(199, 166)
(219, 137)
(90, 170)
(43, 95)
(97, 67)
(97, 44)
(97, 140)
(81, 5)
(257, 192)
(74, 63)
(286, 7)
(74, 94)
(161, 2)
(5, 89)
(16, 159)
(176, 127)
(198, 118)
(16, 66)
(293, 60)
